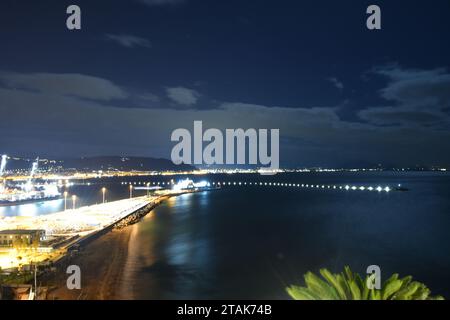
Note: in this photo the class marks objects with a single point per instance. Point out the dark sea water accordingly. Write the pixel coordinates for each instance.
(250, 242)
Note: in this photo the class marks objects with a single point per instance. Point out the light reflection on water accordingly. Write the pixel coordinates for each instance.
(32, 209)
(249, 243)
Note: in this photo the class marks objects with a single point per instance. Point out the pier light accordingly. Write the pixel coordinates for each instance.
(387, 189)
(353, 188)
(74, 201)
(347, 187)
(370, 188)
(131, 191)
(362, 188)
(104, 194)
(379, 189)
(65, 200)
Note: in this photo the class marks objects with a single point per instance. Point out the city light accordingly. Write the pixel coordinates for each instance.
(65, 200)
(74, 200)
(104, 194)
(189, 184)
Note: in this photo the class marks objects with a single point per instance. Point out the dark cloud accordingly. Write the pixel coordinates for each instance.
(417, 88)
(69, 84)
(418, 97)
(183, 96)
(129, 41)
(338, 84)
(49, 120)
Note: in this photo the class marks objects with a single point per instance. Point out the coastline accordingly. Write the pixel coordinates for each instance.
(102, 261)
(102, 264)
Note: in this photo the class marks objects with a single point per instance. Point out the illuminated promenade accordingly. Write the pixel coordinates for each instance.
(79, 221)
(66, 228)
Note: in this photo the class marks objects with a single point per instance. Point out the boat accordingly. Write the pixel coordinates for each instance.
(13, 193)
(400, 188)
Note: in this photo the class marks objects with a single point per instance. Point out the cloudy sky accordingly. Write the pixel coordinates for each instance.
(340, 94)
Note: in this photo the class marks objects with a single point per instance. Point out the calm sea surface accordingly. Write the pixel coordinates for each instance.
(250, 242)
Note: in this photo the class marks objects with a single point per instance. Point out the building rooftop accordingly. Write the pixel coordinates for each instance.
(21, 231)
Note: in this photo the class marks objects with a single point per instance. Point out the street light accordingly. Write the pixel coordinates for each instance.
(74, 200)
(65, 200)
(131, 191)
(104, 193)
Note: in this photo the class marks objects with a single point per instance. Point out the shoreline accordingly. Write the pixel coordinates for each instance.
(102, 261)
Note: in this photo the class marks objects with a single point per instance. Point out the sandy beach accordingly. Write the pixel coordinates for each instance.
(102, 264)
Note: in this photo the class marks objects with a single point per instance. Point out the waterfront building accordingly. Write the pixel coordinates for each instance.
(20, 237)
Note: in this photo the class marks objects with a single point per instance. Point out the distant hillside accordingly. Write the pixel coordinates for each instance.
(124, 163)
(101, 163)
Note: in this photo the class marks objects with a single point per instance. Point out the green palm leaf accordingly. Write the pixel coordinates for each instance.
(351, 286)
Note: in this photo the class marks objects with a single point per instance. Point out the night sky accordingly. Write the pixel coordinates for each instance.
(340, 94)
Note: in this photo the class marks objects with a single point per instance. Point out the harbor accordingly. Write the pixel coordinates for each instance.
(64, 230)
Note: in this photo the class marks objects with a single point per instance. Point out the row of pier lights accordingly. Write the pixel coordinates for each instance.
(74, 198)
(275, 184)
(131, 189)
(298, 185)
(219, 184)
(104, 190)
